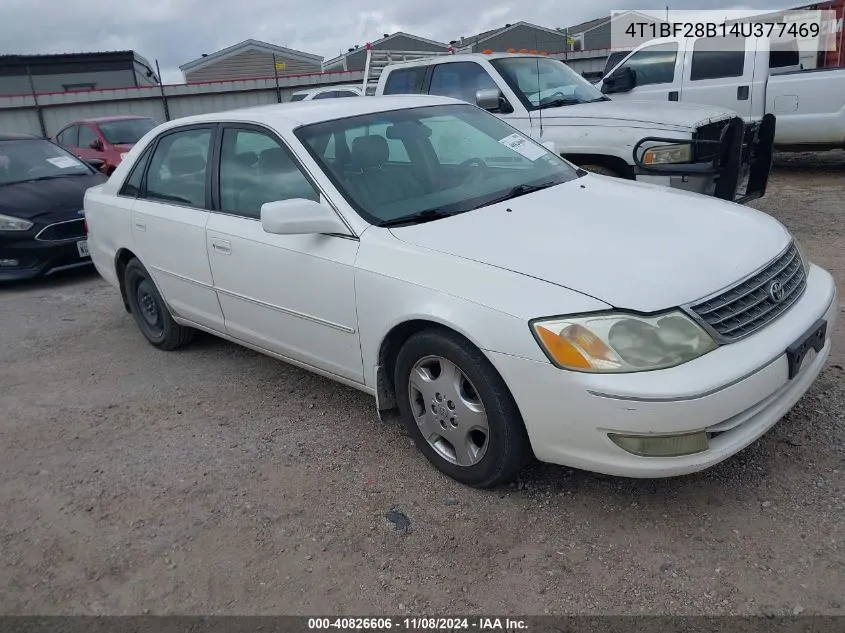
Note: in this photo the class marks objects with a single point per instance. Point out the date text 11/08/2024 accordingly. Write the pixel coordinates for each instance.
(419, 624)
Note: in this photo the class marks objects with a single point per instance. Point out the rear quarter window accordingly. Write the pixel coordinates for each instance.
(404, 81)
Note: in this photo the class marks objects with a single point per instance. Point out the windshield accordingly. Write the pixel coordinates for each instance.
(126, 131)
(439, 159)
(31, 159)
(299, 96)
(543, 82)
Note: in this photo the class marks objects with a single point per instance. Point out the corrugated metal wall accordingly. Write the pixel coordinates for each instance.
(19, 113)
(249, 64)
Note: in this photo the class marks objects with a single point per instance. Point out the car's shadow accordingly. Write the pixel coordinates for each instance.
(56, 280)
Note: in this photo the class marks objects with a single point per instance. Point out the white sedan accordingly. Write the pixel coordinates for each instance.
(505, 303)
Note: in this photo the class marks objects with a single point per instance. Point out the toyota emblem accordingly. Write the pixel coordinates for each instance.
(776, 291)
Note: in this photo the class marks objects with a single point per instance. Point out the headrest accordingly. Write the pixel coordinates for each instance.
(182, 165)
(369, 151)
(274, 160)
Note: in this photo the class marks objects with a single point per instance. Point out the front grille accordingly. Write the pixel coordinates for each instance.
(752, 304)
(61, 231)
(709, 132)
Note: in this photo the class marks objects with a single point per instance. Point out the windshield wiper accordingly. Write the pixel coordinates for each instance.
(566, 101)
(54, 176)
(521, 190)
(417, 218)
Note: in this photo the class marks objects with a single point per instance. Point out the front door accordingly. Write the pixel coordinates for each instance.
(657, 69)
(290, 294)
(168, 224)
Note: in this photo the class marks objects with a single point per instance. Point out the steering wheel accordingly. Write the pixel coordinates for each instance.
(476, 175)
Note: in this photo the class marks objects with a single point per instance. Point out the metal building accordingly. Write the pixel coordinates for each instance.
(250, 59)
(74, 72)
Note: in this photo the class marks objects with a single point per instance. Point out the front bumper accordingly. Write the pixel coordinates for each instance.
(732, 164)
(36, 258)
(735, 393)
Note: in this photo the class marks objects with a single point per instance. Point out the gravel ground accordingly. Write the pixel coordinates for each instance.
(217, 480)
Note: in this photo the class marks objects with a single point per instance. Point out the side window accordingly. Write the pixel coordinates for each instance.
(345, 93)
(178, 168)
(404, 81)
(329, 94)
(655, 64)
(254, 169)
(132, 186)
(86, 136)
(298, 97)
(717, 57)
(68, 138)
(460, 80)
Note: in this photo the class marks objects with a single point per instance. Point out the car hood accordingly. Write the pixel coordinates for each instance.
(681, 116)
(47, 201)
(632, 245)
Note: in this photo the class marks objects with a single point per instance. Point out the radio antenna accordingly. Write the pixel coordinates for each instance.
(539, 106)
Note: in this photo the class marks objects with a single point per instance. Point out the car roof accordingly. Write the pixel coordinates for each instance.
(4, 136)
(290, 115)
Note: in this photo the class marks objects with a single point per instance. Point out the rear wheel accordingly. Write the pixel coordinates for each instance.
(458, 410)
(150, 311)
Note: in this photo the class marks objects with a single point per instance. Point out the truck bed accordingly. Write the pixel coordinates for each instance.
(810, 108)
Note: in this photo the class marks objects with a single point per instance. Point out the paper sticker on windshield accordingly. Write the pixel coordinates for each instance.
(63, 161)
(523, 146)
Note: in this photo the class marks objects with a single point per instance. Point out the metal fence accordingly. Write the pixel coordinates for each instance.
(46, 114)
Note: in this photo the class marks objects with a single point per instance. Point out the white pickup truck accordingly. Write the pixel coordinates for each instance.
(704, 149)
(743, 74)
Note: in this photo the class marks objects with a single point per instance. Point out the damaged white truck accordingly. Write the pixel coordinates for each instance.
(704, 149)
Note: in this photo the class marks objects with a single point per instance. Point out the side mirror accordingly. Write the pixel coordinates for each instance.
(96, 163)
(299, 216)
(492, 100)
(96, 144)
(622, 80)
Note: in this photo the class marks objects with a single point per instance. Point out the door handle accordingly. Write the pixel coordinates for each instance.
(222, 246)
(141, 226)
(673, 95)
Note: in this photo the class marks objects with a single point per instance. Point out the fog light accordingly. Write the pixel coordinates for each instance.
(9, 262)
(662, 445)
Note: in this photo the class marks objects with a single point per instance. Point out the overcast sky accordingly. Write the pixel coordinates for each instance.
(177, 31)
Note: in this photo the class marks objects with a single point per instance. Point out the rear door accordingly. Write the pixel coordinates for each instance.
(69, 139)
(719, 71)
(168, 223)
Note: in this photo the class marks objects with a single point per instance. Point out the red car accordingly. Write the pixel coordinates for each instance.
(106, 139)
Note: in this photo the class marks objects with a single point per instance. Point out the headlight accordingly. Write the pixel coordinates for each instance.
(619, 342)
(8, 223)
(802, 253)
(664, 154)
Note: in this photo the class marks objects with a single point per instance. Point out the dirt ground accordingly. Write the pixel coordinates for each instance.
(216, 480)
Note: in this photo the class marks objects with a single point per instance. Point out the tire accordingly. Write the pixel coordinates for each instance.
(457, 404)
(600, 169)
(150, 312)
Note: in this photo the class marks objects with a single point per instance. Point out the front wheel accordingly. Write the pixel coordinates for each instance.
(150, 312)
(458, 410)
